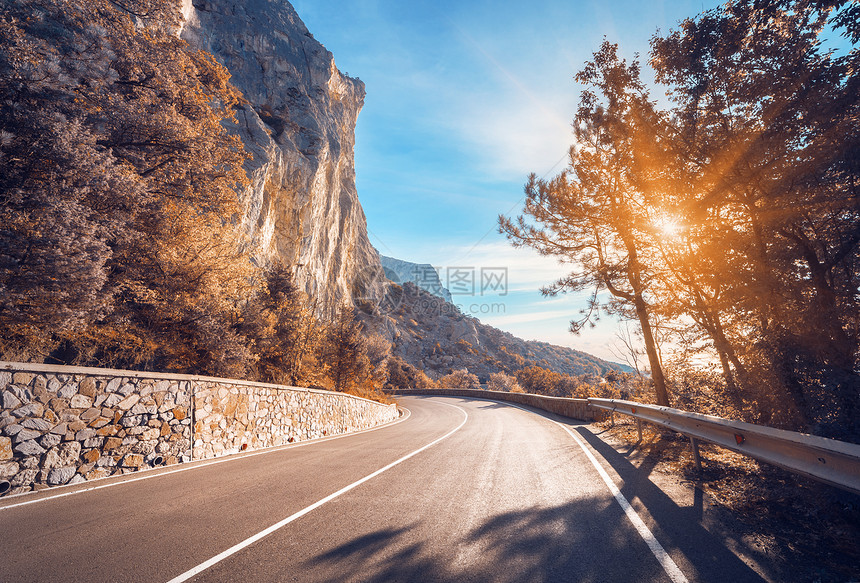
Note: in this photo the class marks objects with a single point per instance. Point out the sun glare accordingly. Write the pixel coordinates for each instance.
(668, 226)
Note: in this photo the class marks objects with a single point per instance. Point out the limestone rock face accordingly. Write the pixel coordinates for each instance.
(299, 124)
(422, 275)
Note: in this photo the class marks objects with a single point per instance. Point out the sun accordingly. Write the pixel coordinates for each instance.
(668, 226)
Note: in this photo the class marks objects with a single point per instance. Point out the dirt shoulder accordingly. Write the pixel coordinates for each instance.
(784, 526)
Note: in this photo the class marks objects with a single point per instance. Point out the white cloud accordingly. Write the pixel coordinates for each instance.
(527, 317)
(597, 341)
(527, 270)
(519, 120)
(512, 138)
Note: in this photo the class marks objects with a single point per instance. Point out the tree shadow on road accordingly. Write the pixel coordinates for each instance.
(586, 540)
(492, 405)
(679, 527)
(382, 555)
(580, 541)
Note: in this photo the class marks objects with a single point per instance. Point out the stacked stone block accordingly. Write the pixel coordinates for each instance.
(233, 418)
(60, 428)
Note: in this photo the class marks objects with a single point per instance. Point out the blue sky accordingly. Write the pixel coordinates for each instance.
(464, 100)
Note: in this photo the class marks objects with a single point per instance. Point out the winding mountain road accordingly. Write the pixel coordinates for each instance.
(458, 490)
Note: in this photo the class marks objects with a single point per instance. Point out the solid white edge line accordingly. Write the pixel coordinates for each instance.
(264, 533)
(669, 565)
(200, 464)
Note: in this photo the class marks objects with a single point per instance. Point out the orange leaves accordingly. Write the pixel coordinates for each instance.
(127, 182)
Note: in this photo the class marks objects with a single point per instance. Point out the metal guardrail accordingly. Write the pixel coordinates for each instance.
(573, 408)
(826, 460)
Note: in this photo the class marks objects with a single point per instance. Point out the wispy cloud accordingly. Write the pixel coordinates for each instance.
(599, 341)
(525, 267)
(527, 317)
(520, 126)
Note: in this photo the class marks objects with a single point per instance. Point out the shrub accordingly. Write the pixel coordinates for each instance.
(500, 381)
(460, 379)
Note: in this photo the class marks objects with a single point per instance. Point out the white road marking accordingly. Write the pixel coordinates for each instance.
(669, 565)
(264, 533)
(671, 568)
(195, 465)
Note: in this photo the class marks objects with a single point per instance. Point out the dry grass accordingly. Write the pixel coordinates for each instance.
(812, 527)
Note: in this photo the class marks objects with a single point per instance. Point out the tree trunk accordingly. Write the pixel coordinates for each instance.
(634, 278)
(651, 350)
(737, 382)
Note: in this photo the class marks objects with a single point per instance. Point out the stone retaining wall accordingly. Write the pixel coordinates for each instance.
(573, 408)
(65, 425)
(232, 418)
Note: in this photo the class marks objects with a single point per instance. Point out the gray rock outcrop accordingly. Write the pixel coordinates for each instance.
(423, 275)
(302, 208)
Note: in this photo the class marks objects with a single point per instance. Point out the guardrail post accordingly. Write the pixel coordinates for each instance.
(639, 429)
(696, 457)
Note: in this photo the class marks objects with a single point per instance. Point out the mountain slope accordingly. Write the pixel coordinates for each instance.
(423, 275)
(435, 336)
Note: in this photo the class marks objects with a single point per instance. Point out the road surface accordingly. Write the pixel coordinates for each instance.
(459, 490)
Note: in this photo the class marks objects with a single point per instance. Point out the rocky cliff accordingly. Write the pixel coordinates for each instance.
(423, 275)
(302, 209)
(298, 122)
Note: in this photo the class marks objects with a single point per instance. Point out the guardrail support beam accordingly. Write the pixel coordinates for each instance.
(827, 460)
(639, 429)
(696, 457)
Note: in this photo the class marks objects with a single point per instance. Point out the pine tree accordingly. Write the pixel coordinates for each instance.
(592, 214)
(345, 351)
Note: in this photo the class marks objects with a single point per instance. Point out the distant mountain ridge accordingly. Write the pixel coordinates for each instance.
(423, 275)
(435, 336)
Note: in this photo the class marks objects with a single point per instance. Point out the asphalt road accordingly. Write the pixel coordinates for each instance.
(461, 490)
